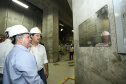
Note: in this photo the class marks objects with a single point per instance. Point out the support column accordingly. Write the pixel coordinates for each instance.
(50, 34)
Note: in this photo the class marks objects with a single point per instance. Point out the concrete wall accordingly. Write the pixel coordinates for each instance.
(2, 18)
(97, 65)
(13, 14)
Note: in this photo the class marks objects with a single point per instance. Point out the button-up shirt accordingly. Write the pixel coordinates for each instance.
(102, 45)
(40, 54)
(20, 67)
(5, 48)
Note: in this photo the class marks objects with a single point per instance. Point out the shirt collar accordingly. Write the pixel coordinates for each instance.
(8, 40)
(36, 46)
(22, 47)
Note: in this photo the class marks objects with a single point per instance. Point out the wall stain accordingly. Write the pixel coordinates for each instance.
(118, 58)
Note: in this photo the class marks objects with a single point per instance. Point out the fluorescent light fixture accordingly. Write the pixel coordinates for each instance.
(20, 3)
(61, 24)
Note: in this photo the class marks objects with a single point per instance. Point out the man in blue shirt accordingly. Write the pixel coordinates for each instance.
(20, 65)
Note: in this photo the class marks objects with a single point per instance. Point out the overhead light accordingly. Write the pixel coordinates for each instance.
(61, 24)
(61, 30)
(20, 3)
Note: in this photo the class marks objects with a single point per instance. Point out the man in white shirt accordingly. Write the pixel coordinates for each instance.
(105, 36)
(5, 48)
(39, 52)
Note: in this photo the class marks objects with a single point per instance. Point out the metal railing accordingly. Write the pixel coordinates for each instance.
(66, 79)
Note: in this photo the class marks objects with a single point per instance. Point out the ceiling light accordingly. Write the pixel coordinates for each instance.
(61, 30)
(20, 3)
(61, 24)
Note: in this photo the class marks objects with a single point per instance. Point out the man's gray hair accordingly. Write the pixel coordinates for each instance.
(19, 36)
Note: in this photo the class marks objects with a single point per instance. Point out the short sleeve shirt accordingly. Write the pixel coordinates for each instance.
(40, 54)
(5, 48)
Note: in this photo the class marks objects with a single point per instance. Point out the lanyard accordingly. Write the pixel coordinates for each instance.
(20, 48)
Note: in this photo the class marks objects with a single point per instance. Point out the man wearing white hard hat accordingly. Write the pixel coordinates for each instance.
(20, 65)
(105, 39)
(39, 52)
(7, 32)
(5, 48)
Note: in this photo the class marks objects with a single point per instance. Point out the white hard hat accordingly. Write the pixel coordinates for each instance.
(7, 30)
(17, 29)
(105, 33)
(35, 30)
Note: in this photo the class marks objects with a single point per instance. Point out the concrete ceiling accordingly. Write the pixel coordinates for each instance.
(63, 6)
(65, 14)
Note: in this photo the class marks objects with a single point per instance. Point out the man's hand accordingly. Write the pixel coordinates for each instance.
(46, 74)
(46, 70)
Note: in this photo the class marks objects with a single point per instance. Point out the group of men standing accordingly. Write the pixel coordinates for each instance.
(23, 61)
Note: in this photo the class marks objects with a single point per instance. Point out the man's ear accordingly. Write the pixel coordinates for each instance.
(20, 40)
